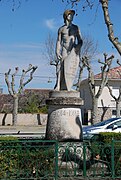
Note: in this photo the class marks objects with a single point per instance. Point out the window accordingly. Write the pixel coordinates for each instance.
(114, 113)
(118, 124)
(115, 92)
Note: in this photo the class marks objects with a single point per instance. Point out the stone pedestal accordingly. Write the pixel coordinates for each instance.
(64, 116)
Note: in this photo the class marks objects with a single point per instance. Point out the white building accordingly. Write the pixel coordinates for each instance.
(106, 104)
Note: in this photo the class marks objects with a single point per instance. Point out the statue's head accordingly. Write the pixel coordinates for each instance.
(66, 13)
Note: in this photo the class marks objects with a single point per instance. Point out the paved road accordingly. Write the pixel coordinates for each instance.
(23, 131)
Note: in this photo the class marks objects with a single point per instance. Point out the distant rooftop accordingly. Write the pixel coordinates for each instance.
(114, 73)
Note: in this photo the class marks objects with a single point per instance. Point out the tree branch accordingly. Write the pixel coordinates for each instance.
(30, 69)
(118, 62)
(109, 25)
(105, 69)
(13, 80)
(110, 91)
(7, 82)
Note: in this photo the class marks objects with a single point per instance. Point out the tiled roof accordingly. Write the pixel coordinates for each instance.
(114, 73)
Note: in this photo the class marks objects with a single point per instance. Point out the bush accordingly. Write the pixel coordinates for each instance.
(44, 109)
(107, 137)
(25, 159)
(108, 145)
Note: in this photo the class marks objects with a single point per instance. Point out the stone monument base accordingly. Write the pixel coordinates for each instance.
(64, 116)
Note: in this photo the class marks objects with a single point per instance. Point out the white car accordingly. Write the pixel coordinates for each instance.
(110, 125)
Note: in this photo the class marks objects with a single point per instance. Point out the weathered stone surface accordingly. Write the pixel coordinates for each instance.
(65, 101)
(64, 94)
(64, 117)
(66, 98)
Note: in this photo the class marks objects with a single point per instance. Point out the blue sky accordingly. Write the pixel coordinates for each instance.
(23, 33)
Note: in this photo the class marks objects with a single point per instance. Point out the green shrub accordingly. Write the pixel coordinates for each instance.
(44, 109)
(108, 144)
(25, 159)
(107, 137)
(8, 138)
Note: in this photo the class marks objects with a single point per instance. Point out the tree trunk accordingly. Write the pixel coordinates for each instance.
(117, 109)
(15, 110)
(94, 110)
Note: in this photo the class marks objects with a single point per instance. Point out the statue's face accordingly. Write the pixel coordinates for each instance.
(70, 17)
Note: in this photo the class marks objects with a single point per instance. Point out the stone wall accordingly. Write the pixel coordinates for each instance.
(24, 119)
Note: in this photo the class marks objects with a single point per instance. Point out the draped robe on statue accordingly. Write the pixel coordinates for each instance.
(67, 70)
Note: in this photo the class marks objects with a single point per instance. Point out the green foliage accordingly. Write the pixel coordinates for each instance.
(25, 159)
(108, 145)
(32, 105)
(107, 137)
(8, 138)
(44, 109)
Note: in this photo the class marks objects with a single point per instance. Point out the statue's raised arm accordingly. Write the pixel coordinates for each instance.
(68, 45)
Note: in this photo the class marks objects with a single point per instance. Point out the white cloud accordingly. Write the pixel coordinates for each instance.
(51, 24)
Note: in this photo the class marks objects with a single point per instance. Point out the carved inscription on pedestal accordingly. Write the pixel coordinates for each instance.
(65, 112)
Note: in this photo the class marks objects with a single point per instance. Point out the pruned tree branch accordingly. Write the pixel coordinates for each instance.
(111, 92)
(86, 63)
(13, 80)
(7, 81)
(104, 71)
(30, 69)
(118, 62)
(109, 24)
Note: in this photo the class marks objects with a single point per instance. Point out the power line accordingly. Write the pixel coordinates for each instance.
(36, 76)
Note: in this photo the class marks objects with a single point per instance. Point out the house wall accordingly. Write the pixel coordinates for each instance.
(24, 119)
(108, 101)
(104, 113)
(106, 104)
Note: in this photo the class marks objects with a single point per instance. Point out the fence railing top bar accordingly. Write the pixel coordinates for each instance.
(28, 140)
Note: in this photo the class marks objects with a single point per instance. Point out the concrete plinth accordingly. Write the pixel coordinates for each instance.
(64, 116)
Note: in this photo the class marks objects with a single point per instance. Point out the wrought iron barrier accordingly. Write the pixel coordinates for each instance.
(89, 160)
(28, 159)
(42, 159)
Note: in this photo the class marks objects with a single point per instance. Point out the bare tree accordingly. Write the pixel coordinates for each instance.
(89, 49)
(91, 81)
(50, 50)
(11, 87)
(117, 99)
(50, 53)
(114, 40)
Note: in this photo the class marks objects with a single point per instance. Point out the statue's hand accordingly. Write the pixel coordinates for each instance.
(77, 48)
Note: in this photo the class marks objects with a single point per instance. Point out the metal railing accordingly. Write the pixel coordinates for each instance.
(42, 159)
